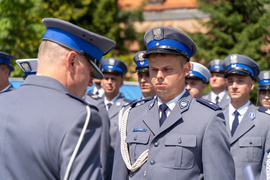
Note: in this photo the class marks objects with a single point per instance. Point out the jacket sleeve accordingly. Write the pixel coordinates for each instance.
(216, 157)
(87, 162)
(120, 171)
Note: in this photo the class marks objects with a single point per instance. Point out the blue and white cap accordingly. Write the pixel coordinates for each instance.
(87, 43)
(142, 64)
(199, 71)
(264, 80)
(216, 65)
(242, 65)
(163, 39)
(29, 66)
(113, 65)
(5, 59)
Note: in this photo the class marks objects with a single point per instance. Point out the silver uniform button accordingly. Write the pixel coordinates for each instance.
(152, 162)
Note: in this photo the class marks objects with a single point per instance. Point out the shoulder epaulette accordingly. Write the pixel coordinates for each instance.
(264, 110)
(81, 100)
(208, 104)
(94, 96)
(139, 102)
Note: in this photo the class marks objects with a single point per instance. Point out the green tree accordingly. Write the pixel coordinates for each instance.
(22, 29)
(235, 26)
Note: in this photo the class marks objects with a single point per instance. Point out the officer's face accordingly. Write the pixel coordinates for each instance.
(111, 83)
(217, 80)
(4, 75)
(264, 98)
(239, 87)
(167, 73)
(195, 87)
(145, 84)
(81, 77)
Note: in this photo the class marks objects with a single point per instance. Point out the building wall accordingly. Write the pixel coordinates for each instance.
(180, 14)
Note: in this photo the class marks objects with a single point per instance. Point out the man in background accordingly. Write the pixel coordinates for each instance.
(197, 79)
(219, 93)
(248, 125)
(98, 90)
(113, 69)
(5, 69)
(142, 69)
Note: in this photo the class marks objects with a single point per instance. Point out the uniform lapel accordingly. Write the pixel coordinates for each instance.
(176, 114)
(226, 114)
(116, 106)
(152, 117)
(246, 123)
(225, 99)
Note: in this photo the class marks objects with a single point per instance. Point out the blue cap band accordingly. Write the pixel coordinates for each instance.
(241, 66)
(5, 61)
(29, 73)
(264, 82)
(169, 42)
(73, 42)
(216, 67)
(114, 67)
(198, 74)
(145, 62)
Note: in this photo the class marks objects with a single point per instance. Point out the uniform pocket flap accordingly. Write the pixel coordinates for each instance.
(185, 140)
(250, 141)
(138, 137)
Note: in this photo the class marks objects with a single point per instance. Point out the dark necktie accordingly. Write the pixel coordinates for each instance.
(163, 108)
(235, 121)
(109, 105)
(97, 93)
(217, 98)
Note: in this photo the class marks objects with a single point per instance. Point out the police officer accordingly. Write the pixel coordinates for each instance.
(47, 129)
(142, 68)
(98, 90)
(172, 136)
(113, 69)
(29, 66)
(197, 79)
(5, 69)
(219, 93)
(263, 95)
(248, 125)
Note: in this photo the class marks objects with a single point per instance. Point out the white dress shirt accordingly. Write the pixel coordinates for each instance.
(214, 96)
(170, 104)
(106, 102)
(242, 110)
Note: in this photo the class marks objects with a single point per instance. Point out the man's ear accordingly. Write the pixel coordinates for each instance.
(70, 61)
(252, 84)
(187, 67)
(6, 72)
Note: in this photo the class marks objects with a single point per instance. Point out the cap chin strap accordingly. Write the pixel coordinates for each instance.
(79, 142)
(124, 146)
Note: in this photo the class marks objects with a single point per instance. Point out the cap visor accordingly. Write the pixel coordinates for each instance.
(217, 71)
(238, 71)
(264, 87)
(97, 74)
(160, 51)
(111, 71)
